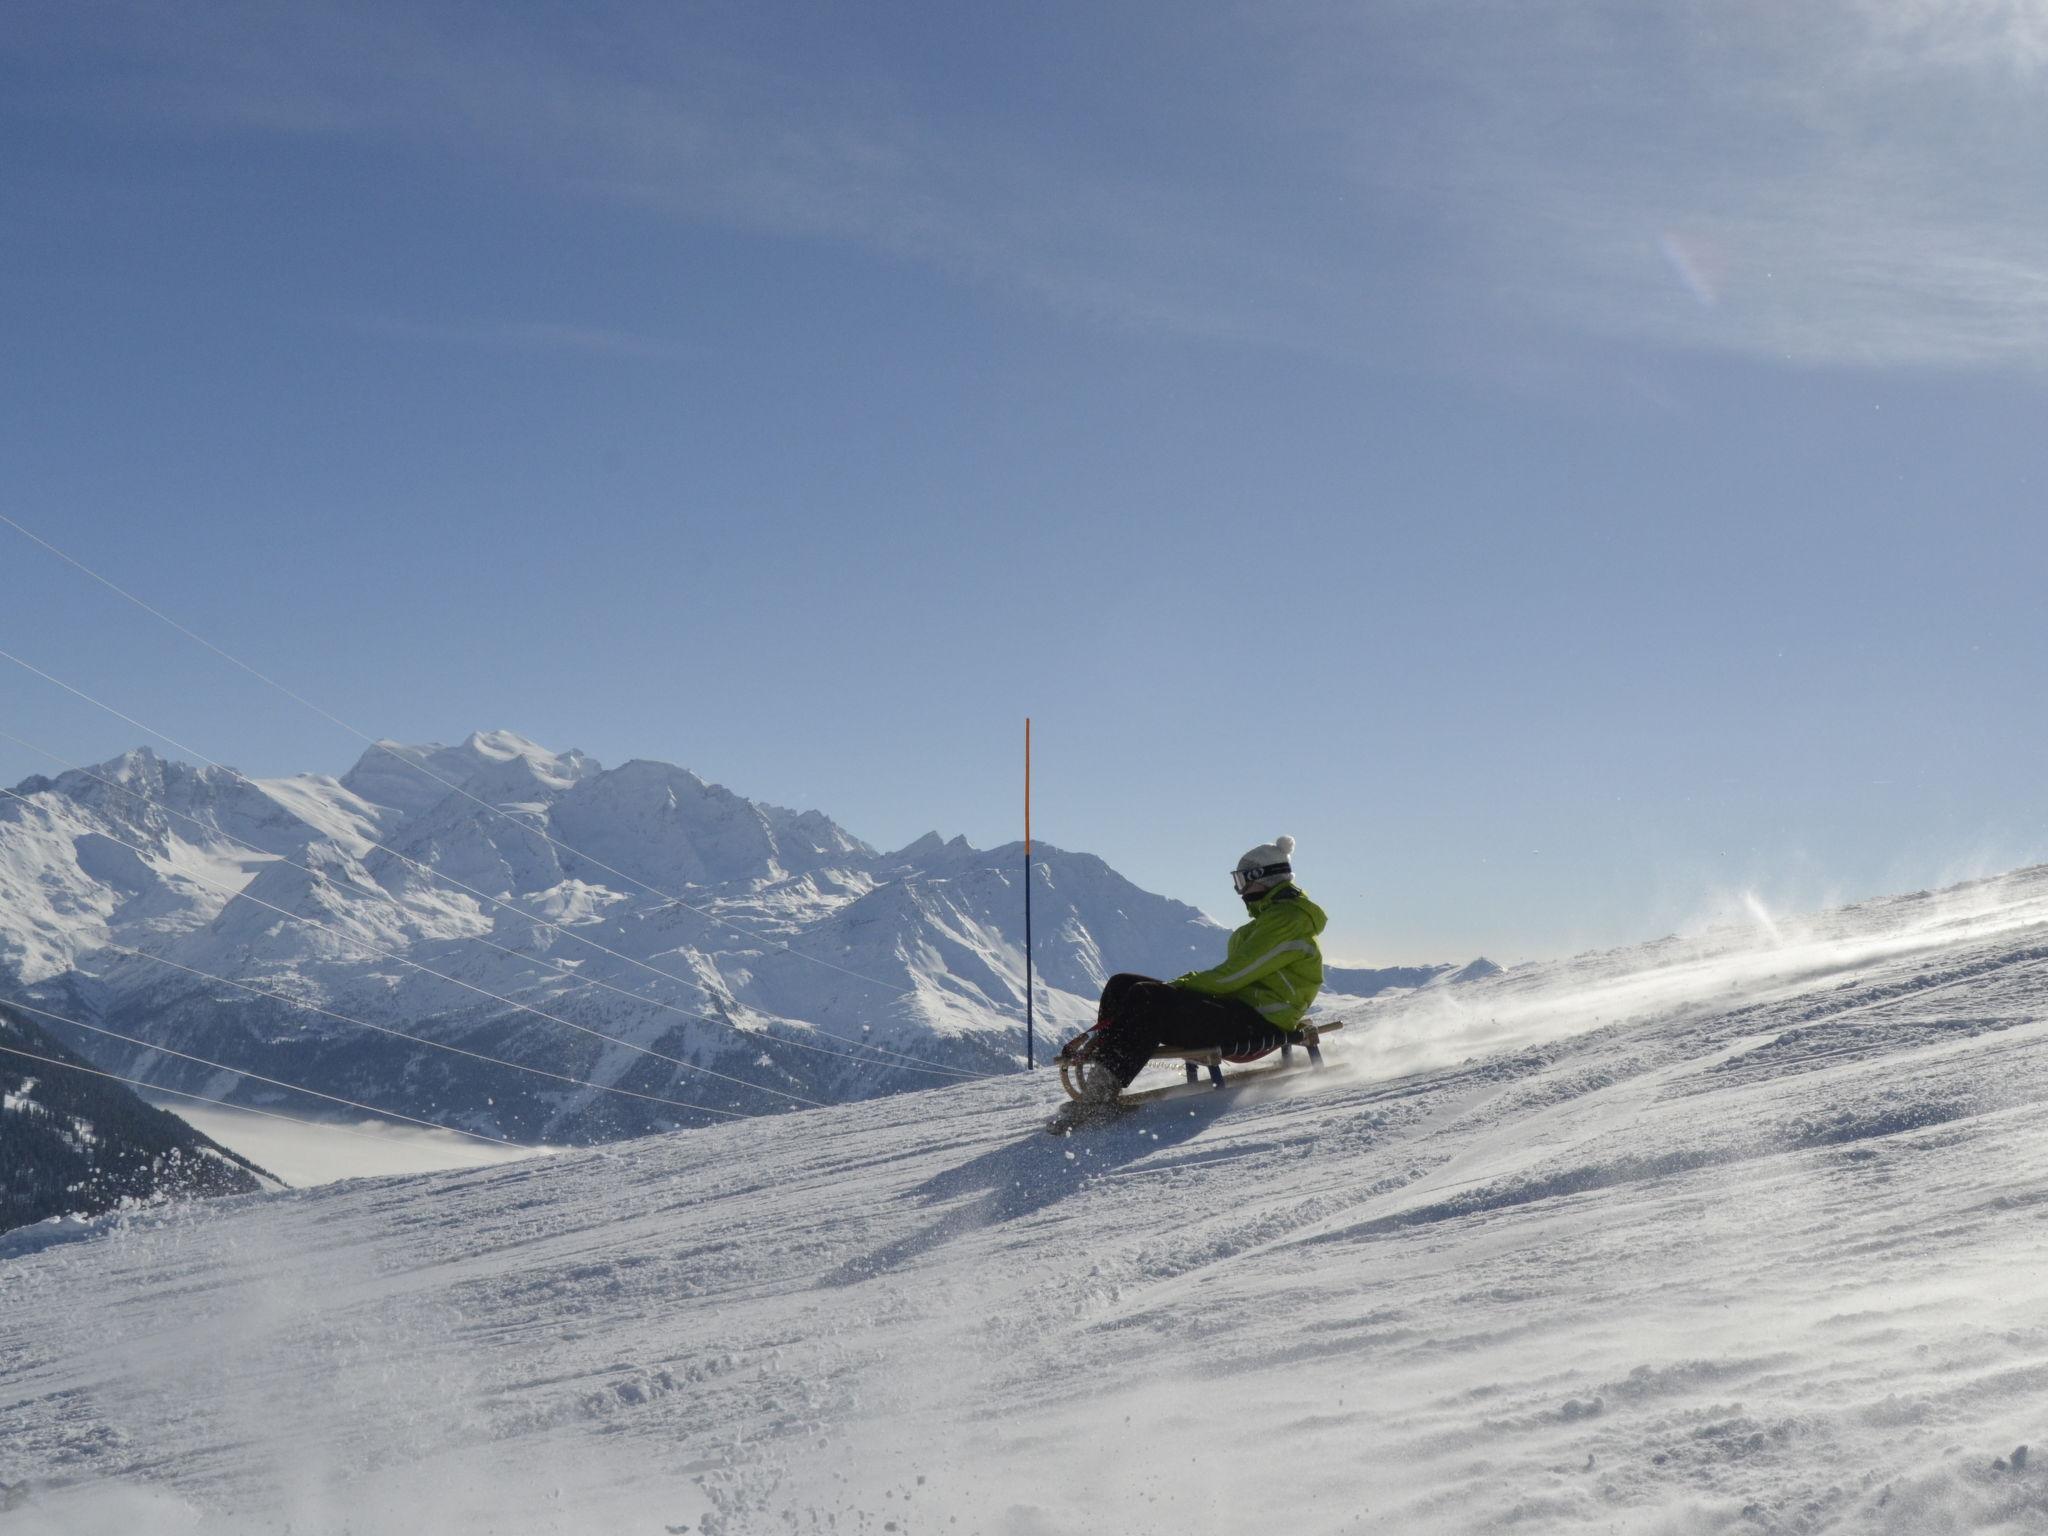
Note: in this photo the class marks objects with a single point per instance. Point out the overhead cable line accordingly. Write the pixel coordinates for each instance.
(380, 894)
(258, 1077)
(384, 954)
(240, 1109)
(438, 1045)
(365, 736)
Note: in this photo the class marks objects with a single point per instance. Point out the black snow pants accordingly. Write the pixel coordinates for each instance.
(1140, 1015)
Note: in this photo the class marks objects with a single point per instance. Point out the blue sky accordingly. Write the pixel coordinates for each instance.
(1568, 464)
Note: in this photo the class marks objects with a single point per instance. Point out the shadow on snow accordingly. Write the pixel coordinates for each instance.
(1022, 1178)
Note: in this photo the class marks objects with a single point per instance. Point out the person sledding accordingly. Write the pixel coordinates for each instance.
(1254, 1001)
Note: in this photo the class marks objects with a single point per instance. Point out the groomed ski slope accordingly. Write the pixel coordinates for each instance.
(1747, 1233)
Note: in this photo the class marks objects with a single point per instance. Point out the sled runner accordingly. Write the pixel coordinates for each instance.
(1075, 1053)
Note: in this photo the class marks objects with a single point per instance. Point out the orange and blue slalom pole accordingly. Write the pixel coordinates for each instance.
(1030, 1053)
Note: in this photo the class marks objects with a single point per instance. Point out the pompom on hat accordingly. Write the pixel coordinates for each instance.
(1264, 867)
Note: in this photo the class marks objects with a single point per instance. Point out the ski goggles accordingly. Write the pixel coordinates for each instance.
(1242, 880)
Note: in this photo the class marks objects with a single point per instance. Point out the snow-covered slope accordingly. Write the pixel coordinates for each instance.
(499, 897)
(1744, 1235)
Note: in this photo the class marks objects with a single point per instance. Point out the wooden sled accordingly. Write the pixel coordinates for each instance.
(1074, 1055)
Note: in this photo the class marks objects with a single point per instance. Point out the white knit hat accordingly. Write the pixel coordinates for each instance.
(1264, 867)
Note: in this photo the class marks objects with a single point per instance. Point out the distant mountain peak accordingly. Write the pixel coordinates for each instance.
(508, 746)
(409, 777)
(923, 848)
(649, 770)
(1472, 970)
(503, 744)
(136, 763)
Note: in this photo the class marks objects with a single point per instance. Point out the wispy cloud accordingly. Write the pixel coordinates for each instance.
(656, 108)
(1838, 182)
(1996, 36)
(643, 105)
(1821, 181)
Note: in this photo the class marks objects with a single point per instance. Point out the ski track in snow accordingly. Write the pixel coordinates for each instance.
(1753, 1241)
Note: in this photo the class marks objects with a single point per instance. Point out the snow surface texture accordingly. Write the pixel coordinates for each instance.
(800, 950)
(1746, 1235)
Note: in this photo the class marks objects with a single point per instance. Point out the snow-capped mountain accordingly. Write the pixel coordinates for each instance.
(694, 952)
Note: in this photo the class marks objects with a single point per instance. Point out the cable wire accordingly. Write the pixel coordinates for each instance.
(258, 1077)
(240, 1109)
(438, 1045)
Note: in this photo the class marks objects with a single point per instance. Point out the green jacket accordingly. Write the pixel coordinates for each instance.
(1273, 962)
